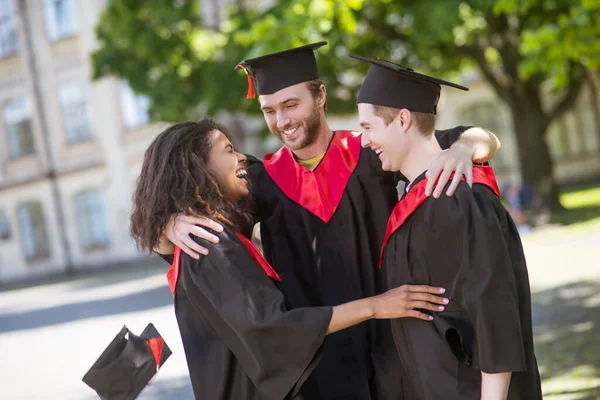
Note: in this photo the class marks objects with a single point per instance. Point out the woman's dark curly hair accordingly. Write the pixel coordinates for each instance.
(175, 179)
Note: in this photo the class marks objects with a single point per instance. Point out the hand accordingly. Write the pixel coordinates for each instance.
(180, 227)
(402, 301)
(456, 159)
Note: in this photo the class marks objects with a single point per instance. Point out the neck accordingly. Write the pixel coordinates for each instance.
(318, 146)
(422, 154)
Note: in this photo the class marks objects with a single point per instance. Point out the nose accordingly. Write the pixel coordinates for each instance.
(282, 120)
(241, 158)
(365, 140)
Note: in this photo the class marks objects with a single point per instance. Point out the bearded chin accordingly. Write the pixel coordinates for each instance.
(311, 128)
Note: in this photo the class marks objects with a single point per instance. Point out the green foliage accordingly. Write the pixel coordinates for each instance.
(163, 50)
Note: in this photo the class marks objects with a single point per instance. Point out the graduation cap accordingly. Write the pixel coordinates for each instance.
(128, 364)
(273, 72)
(391, 85)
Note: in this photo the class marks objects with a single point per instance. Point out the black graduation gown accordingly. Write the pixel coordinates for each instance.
(469, 245)
(240, 341)
(322, 231)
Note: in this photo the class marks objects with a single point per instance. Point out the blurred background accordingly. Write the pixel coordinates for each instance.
(85, 85)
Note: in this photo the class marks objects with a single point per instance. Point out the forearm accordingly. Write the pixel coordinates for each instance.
(495, 386)
(350, 314)
(483, 144)
(164, 246)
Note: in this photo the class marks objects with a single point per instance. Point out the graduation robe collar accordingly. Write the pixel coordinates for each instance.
(319, 191)
(482, 175)
(173, 273)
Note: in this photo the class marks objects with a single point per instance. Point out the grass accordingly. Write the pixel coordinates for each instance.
(582, 214)
(582, 204)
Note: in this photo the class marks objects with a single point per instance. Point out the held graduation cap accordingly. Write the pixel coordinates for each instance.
(127, 365)
(391, 85)
(273, 72)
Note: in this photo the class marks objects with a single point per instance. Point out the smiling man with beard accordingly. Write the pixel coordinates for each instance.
(323, 203)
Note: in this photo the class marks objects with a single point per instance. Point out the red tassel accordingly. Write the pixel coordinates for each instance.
(251, 91)
(156, 345)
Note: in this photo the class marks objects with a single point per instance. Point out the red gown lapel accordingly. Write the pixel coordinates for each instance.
(173, 273)
(319, 191)
(482, 175)
(258, 257)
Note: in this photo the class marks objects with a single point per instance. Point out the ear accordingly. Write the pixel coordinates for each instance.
(322, 96)
(404, 118)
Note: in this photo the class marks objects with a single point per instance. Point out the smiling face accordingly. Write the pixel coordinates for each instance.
(228, 165)
(389, 141)
(293, 115)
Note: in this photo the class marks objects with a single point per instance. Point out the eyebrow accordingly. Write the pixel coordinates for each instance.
(263, 108)
(290, 99)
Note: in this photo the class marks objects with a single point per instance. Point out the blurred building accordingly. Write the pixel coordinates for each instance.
(70, 149)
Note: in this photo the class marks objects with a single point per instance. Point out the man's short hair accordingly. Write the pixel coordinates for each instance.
(313, 87)
(424, 122)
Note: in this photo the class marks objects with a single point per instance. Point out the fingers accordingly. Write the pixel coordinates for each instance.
(419, 315)
(423, 289)
(203, 234)
(429, 298)
(469, 175)
(206, 222)
(444, 178)
(455, 181)
(189, 251)
(432, 174)
(423, 305)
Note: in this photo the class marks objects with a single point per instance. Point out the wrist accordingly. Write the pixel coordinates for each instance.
(371, 307)
(465, 145)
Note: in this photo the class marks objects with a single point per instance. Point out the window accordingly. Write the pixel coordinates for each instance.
(135, 107)
(73, 102)
(17, 120)
(60, 18)
(573, 135)
(8, 28)
(91, 219)
(4, 226)
(33, 231)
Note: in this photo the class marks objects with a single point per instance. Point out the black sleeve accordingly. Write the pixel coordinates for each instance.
(167, 257)
(471, 260)
(256, 171)
(447, 137)
(277, 349)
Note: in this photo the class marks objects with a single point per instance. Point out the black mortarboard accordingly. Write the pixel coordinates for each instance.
(128, 364)
(391, 85)
(273, 72)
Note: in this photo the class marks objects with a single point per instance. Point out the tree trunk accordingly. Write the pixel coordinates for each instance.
(594, 88)
(534, 156)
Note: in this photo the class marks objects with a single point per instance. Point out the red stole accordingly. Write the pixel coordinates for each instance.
(258, 257)
(319, 191)
(482, 175)
(173, 273)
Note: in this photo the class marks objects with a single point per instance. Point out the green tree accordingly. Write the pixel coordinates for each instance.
(164, 50)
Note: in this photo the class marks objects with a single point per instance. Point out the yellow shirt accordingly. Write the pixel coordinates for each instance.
(312, 163)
